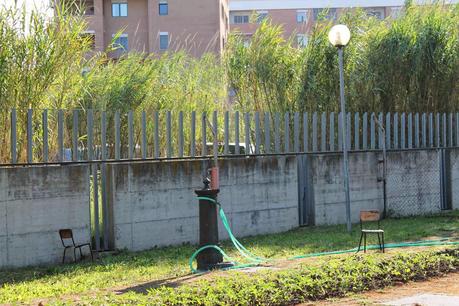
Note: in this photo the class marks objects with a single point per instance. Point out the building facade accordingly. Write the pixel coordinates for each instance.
(297, 17)
(157, 26)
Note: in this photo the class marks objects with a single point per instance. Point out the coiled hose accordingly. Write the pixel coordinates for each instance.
(254, 260)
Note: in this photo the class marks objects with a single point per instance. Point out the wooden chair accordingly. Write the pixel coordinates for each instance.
(67, 236)
(371, 216)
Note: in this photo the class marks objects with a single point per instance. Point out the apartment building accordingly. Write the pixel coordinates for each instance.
(298, 16)
(157, 26)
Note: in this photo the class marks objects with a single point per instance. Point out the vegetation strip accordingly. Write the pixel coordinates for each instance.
(334, 278)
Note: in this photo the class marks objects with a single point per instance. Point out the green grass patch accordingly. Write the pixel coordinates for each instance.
(128, 268)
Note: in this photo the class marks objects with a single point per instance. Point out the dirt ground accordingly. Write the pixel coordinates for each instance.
(446, 285)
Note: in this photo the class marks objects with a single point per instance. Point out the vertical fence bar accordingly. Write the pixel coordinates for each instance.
(169, 134)
(267, 134)
(203, 133)
(457, 129)
(380, 131)
(75, 136)
(60, 134)
(444, 138)
(13, 137)
(131, 135)
(365, 131)
(144, 135)
(395, 131)
(410, 131)
(332, 131)
(348, 132)
(103, 177)
(95, 186)
(277, 133)
(323, 132)
(29, 136)
(44, 120)
(103, 135)
(193, 134)
(180, 135)
(388, 130)
(372, 131)
(296, 132)
(437, 130)
(403, 131)
(340, 131)
(431, 130)
(117, 135)
(156, 148)
(247, 133)
(305, 132)
(257, 133)
(450, 130)
(90, 131)
(226, 124)
(215, 133)
(356, 131)
(424, 130)
(416, 130)
(236, 132)
(314, 132)
(287, 132)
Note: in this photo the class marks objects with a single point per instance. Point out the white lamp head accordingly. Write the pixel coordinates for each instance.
(339, 35)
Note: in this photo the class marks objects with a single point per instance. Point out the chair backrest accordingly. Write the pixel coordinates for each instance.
(66, 234)
(369, 216)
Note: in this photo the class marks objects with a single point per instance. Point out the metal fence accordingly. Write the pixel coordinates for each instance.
(84, 135)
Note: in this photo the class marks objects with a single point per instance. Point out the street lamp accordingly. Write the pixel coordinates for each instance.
(339, 37)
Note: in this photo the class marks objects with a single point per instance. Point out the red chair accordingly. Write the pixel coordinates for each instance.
(67, 236)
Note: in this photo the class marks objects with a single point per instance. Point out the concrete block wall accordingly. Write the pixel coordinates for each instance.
(35, 202)
(154, 204)
(413, 183)
(329, 198)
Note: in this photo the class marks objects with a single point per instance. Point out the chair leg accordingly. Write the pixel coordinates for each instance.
(74, 255)
(364, 242)
(383, 246)
(379, 242)
(360, 242)
(81, 254)
(63, 257)
(90, 251)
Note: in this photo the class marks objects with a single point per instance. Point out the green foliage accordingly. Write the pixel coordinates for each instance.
(407, 64)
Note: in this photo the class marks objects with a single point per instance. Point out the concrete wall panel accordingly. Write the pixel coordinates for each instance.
(38, 202)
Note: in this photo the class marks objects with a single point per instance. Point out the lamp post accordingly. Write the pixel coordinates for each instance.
(339, 37)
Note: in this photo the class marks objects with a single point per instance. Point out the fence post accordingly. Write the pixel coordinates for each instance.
(357, 131)
(365, 131)
(193, 134)
(416, 130)
(395, 132)
(332, 131)
(75, 135)
(314, 132)
(372, 131)
(180, 135)
(257, 133)
(117, 136)
(226, 123)
(247, 133)
(60, 134)
(13, 136)
(267, 134)
(323, 132)
(168, 134)
(340, 131)
(144, 135)
(287, 132)
(277, 133)
(90, 124)
(424, 130)
(29, 136)
(388, 131)
(296, 132)
(45, 135)
(236, 132)
(305, 132)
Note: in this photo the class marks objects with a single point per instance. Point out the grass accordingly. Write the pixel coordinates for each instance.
(128, 269)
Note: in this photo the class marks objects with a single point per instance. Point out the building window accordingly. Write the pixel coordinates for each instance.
(302, 40)
(163, 8)
(261, 15)
(119, 9)
(327, 14)
(301, 16)
(239, 19)
(121, 44)
(163, 41)
(378, 13)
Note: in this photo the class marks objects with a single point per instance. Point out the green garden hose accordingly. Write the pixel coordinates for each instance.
(254, 260)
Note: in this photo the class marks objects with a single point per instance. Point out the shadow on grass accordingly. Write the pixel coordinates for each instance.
(295, 242)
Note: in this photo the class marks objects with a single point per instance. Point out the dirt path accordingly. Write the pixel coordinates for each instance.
(447, 285)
